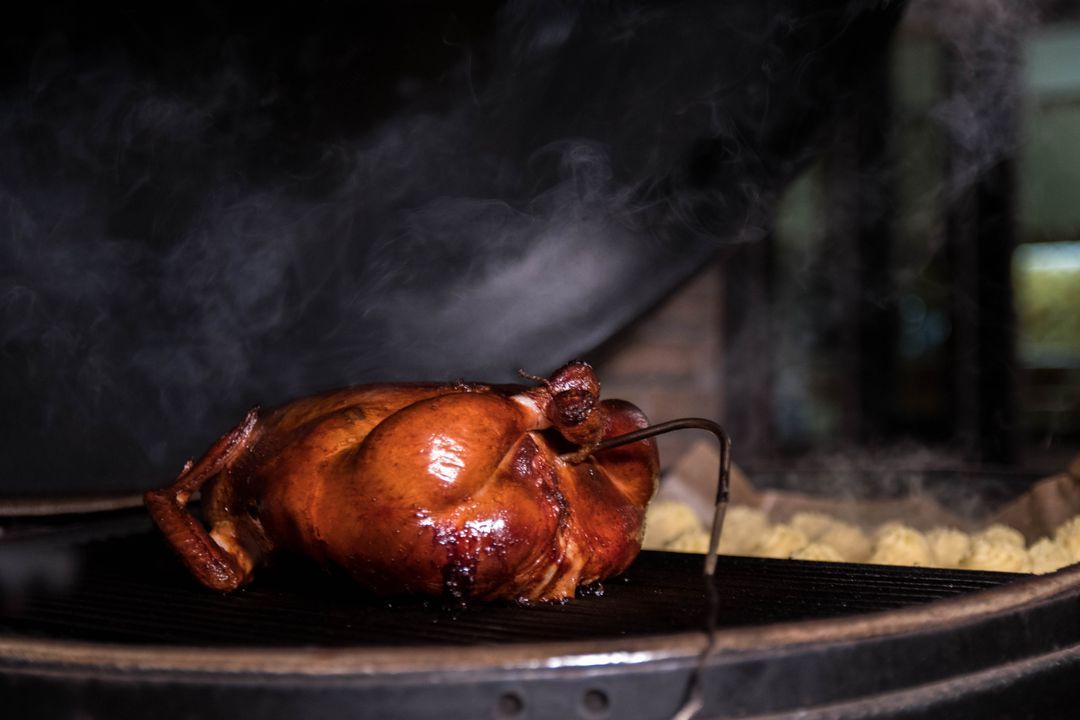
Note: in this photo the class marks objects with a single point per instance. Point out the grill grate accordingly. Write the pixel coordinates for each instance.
(128, 588)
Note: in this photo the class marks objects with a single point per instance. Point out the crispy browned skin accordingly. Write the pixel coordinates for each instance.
(423, 488)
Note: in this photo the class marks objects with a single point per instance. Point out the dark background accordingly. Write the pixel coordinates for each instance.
(207, 207)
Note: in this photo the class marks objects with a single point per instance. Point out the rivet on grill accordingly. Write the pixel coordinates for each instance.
(509, 705)
(595, 704)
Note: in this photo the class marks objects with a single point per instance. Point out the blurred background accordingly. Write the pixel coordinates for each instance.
(850, 233)
(915, 299)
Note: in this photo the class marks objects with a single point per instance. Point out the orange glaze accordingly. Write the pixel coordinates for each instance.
(456, 489)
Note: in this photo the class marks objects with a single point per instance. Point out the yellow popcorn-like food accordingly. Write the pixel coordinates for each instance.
(998, 533)
(1068, 536)
(1047, 556)
(781, 541)
(848, 540)
(674, 526)
(696, 541)
(665, 521)
(812, 524)
(744, 528)
(949, 546)
(889, 528)
(818, 551)
(898, 544)
(995, 555)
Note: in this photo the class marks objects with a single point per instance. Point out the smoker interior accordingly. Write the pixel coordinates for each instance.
(127, 627)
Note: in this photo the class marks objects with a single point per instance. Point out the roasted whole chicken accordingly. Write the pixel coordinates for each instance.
(475, 491)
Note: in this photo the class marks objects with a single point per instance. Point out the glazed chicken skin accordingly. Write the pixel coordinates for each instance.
(475, 491)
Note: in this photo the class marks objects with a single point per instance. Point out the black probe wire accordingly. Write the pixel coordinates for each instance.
(694, 698)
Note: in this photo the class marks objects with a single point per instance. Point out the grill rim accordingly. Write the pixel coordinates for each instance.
(741, 642)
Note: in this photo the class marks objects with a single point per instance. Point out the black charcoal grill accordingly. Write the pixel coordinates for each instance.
(704, 111)
(129, 630)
